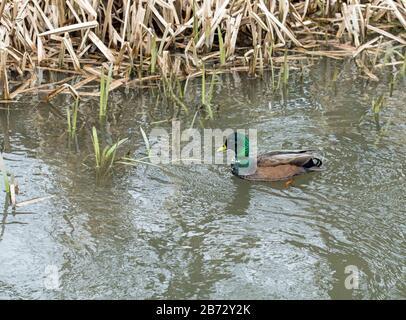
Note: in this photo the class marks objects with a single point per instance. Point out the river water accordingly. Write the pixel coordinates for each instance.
(191, 231)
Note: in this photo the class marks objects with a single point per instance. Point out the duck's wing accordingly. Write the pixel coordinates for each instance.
(301, 158)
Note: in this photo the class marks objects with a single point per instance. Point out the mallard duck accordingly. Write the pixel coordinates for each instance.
(270, 166)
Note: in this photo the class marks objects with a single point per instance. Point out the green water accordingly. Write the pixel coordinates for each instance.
(196, 231)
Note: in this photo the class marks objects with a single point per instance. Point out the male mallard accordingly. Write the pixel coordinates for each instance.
(270, 166)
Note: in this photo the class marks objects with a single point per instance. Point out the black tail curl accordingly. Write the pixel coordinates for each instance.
(313, 162)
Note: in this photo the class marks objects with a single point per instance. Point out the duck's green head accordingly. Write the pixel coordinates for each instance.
(237, 142)
(243, 164)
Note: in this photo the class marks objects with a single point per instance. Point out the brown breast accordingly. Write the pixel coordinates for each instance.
(280, 172)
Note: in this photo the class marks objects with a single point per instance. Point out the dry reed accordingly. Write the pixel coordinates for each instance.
(140, 36)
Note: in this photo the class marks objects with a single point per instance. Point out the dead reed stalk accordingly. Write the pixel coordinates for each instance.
(81, 35)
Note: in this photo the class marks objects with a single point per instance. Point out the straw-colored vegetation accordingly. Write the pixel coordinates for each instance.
(104, 92)
(149, 39)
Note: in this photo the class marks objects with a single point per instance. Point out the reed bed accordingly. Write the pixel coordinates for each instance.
(148, 40)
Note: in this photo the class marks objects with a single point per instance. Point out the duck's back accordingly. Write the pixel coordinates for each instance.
(283, 165)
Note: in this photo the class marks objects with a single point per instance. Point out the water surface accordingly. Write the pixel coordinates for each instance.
(195, 231)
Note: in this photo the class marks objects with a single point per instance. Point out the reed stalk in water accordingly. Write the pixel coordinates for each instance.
(104, 92)
(72, 118)
(377, 104)
(11, 188)
(5, 176)
(285, 70)
(222, 49)
(403, 68)
(104, 159)
(376, 109)
(270, 51)
(206, 97)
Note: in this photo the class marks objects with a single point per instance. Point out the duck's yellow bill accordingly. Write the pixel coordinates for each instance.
(222, 149)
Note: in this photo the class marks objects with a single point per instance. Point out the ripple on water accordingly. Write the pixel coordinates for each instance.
(198, 232)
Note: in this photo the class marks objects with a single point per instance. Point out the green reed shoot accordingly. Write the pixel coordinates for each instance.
(5, 176)
(335, 74)
(392, 83)
(285, 69)
(72, 118)
(377, 104)
(168, 86)
(146, 141)
(12, 193)
(179, 89)
(203, 85)
(403, 68)
(141, 63)
(104, 160)
(207, 96)
(206, 99)
(194, 119)
(211, 89)
(68, 120)
(104, 91)
(278, 84)
(221, 47)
